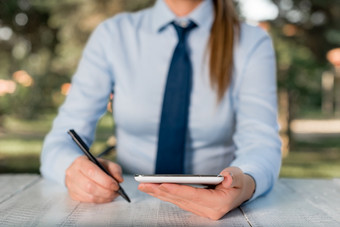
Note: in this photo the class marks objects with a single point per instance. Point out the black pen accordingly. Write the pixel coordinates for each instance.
(86, 151)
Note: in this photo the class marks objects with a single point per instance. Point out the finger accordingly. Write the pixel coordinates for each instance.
(113, 168)
(185, 194)
(82, 188)
(206, 207)
(78, 183)
(153, 190)
(196, 195)
(180, 191)
(210, 198)
(228, 179)
(147, 187)
(93, 172)
(80, 194)
(232, 177)
(91, 187)
(210, 203)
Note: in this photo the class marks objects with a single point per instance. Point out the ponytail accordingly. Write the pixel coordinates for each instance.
(225, 29)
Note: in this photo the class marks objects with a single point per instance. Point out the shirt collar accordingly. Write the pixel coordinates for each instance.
(202, 16)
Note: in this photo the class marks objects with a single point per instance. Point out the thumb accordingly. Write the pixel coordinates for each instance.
(232, 177)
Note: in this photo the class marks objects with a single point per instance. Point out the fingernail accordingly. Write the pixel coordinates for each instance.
(231, 176)
(141, 187)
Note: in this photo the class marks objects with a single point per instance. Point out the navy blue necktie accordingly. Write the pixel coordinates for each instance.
(175, 110)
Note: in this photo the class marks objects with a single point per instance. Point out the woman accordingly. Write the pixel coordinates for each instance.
(231, 125)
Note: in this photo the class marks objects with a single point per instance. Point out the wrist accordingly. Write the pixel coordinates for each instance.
(249, 186)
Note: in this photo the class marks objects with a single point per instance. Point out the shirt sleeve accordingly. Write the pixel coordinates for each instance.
(84, 105)
(258, 145)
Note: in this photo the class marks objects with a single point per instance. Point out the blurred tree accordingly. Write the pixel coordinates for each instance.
(45, 39)
(303, 32)
(311, 23)
(25, 41)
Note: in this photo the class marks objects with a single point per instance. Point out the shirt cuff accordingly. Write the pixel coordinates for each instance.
(262, 184)
(55, 168)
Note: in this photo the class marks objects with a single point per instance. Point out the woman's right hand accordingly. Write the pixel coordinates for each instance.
(86, 182)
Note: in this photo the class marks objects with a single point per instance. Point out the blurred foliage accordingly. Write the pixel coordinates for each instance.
(41, 43)
(45, 40)
(21, 145)
(303, 33)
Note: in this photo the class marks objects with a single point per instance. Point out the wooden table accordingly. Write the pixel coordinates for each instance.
(29, 200)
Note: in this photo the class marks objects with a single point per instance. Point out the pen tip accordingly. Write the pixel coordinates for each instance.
(127, 199)
(124, 195)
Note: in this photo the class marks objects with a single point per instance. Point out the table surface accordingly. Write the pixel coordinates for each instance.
(29, 200)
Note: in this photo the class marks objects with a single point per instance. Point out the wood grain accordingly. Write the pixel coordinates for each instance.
(45, 204)
(11, 184)
(297, 202)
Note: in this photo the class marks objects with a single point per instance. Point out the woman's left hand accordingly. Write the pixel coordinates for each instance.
(236, 188)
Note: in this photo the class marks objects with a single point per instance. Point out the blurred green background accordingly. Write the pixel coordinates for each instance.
(41, 42)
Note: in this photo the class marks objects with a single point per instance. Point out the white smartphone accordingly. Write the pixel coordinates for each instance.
(180, 179)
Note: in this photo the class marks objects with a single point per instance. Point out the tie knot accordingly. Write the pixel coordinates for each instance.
(183, 31)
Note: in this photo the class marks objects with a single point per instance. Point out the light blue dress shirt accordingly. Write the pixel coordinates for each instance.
(130, 55)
